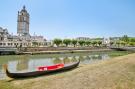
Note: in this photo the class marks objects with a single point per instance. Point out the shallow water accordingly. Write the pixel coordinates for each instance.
(24, 63)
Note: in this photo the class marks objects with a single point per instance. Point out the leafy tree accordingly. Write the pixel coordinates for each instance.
(74, 42)
(57, 42)
(99, 43)
(88, 43)
(66, 41)
(123, 43)
(132, 39)
(81, 42)
(118, 43)
(94, 43)
(125, 38)
(131, 43)
(111, 43)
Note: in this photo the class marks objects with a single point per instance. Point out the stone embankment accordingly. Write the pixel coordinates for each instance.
(60, 50)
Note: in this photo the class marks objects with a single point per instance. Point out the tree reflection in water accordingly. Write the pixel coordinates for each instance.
(57, 60)
(74, 59)
(22, 64)
(66, 60)
(88, 57)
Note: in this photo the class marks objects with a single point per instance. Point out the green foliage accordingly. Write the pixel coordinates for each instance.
(132, 39)
(118, 43)
(94, 43)
(74, 42)
(57, 41)
(125, 38)
(123, 43)
(99, 42)
(131, 43)
(81, 42)
(88, 43)
(111, 43)
(66, 41)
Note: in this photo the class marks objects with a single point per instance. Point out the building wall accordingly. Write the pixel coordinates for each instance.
(23, 22)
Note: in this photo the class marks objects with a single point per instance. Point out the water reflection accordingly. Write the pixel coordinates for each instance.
(57, 60)
(31, 62)
(22, 65)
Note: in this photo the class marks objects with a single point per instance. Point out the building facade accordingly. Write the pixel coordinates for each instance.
(23, 37)
(83, 38)
(23, 22)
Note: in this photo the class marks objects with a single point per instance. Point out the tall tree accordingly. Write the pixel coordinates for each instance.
(111, 43)
(74, 42)
(118, 43)
(88, 43)
(94, 43)
(99, 42)
(125, 38)
(81, 42)
(57, 42)
(66, 41)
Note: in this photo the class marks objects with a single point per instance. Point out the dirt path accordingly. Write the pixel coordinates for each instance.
(116, 73)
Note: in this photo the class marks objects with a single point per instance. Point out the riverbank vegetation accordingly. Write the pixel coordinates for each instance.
(96, 42)
(76, 43)
(124, 41)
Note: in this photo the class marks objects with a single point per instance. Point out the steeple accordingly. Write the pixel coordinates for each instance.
(24, 7)
(23, 22)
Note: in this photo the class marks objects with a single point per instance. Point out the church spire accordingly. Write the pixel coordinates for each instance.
(23, 22)
(24, 7)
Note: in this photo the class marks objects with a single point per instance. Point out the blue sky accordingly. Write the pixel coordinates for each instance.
(72, 18)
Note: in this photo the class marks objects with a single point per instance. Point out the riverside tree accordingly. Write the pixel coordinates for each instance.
(74, 42)
(125, 38)
(66, 42)
(94, 43)
(99, 43)
(88, 43)
(81, 42)
(57, 42)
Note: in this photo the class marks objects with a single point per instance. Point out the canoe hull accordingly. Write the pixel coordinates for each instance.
(39, 73)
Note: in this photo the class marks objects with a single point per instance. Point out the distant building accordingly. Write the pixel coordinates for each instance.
(3, 34)
(83, 38)
(23, 23)
(106, 41)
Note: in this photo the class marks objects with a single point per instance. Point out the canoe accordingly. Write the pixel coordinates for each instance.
(39, 73)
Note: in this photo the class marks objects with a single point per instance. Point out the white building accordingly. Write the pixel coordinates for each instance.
(83, 38)
(106, 41)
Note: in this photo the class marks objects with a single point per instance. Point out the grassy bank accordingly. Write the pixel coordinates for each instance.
(116, 73)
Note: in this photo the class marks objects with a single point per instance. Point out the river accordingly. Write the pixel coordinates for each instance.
(25, 63)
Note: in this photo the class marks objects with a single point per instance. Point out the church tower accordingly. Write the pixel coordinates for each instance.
(23, 22)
